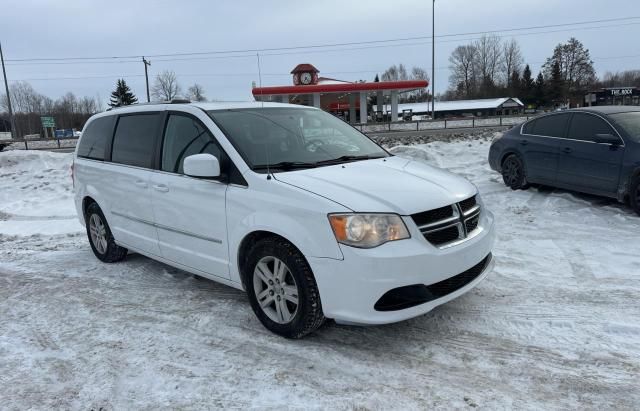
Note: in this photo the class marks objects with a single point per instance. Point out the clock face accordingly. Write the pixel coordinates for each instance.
(296, 79)
(306, 78)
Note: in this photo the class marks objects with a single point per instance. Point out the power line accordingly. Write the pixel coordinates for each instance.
(268, 74)
(320, 46)
(317, 51)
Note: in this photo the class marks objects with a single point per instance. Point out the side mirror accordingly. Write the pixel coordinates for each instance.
(607, 139)
(202, 165)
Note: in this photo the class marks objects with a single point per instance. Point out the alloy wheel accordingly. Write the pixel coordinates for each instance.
(98, 233)
(276, 289)
(511, 172)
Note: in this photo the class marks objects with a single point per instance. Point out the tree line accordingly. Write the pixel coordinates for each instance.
(490, 67)
(165, 88)
(28, 106)
(71, 111)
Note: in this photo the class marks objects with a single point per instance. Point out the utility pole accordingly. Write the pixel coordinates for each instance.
(146, 76)
(433, 60)
(6, 87)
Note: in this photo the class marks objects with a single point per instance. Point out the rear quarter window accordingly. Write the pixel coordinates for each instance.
(95, 138)
(553, 125)
(135, 139)
(528, 127)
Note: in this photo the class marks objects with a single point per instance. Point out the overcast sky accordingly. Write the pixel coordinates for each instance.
(48, 29)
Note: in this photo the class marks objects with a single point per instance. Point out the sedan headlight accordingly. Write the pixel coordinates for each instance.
(367, 230)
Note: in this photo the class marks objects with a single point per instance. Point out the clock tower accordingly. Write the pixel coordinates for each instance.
(305, 74)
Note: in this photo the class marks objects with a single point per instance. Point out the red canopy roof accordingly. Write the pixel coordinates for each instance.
(341, 88)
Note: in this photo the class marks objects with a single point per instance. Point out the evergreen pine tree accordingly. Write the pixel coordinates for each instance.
(540, 95)
(527, 85)
(555, 86)
(122, 95)
(515, 85)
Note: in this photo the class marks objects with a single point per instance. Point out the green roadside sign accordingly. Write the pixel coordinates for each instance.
(48, 122)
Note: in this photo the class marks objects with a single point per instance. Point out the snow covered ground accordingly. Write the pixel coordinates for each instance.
(557, 325)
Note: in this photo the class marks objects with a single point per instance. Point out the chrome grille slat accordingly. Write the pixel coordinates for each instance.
(465, 217)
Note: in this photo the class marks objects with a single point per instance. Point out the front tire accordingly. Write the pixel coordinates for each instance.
(100, 237)
(634, 194)
(513, 173)
(282, 289)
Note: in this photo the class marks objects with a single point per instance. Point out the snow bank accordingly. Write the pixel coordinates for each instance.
(36, 193)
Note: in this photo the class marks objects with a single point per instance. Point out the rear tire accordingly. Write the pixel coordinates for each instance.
(513, 173)
(282, 289)
(634, 194)
(102, 243)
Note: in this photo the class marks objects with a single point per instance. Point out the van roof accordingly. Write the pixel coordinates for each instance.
(220, 105)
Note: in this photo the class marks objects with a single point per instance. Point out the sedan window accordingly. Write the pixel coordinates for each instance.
(552, 126)
(630, 122)
(586, 127)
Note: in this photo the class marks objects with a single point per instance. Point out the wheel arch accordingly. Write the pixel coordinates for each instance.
(245, 247)
(86, 202)
(509, 152)
(624, 191)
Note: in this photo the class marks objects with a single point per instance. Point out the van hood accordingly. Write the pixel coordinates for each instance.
(393, 185)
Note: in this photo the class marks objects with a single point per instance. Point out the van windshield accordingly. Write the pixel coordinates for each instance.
(287, 138)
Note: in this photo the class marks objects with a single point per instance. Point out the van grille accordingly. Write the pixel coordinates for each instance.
(445, 225)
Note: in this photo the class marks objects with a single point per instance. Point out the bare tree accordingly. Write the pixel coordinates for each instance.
(196, 93)
(487, 61)
(627, 78)
(418, 73)
(166, 86)
(511, 61)
(576, 67)
(463, 77)
(395, 73)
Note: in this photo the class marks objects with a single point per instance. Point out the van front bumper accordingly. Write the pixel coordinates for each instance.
(352, 289)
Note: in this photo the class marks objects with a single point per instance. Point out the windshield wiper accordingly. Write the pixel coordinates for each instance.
(344, 159)
(285, 165)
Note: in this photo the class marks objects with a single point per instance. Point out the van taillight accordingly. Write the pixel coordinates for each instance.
(73, 179)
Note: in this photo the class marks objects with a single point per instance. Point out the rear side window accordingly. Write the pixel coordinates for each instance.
(528, 127)
(551, 126)
(95, 138)
(185, 136)
(586, 127)
(135, 139)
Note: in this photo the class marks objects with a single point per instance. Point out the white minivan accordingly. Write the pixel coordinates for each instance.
(302, 211)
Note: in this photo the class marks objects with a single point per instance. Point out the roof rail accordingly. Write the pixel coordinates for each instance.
(174, 101)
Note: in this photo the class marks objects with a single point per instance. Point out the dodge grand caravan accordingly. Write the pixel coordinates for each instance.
(305, 213)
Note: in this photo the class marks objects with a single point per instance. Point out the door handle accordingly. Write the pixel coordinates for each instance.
(161, 187)
(524, 142)
(141, 183)
(567, 150)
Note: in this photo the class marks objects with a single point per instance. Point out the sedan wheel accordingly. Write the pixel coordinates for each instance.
(513, 173)
(275, 289)
(634, 194)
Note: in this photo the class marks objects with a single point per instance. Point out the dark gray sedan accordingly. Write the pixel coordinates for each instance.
(593, 150)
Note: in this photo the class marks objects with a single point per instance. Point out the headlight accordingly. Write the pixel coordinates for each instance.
(368, 230)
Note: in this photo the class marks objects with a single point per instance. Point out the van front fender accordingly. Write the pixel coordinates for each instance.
(312, 235)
